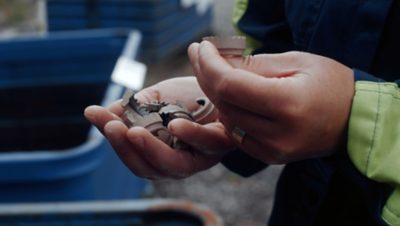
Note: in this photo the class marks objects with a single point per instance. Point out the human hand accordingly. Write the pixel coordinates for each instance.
(149, 157)
(292, 106)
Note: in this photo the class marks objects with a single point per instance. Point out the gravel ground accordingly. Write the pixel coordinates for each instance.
(239, 201)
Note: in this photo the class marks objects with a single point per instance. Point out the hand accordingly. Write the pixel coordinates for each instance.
(149, 157)
(292, 106)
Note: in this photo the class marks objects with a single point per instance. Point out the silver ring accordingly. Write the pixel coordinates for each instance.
(238, 134)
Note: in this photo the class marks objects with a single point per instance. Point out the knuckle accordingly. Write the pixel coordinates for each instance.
(222, 87)
(225, 86)
(295, 54)
(294, 112)
(298, 58)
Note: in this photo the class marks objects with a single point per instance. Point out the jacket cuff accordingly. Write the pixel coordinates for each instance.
(373, 144)
(364, 76)
(239, 162)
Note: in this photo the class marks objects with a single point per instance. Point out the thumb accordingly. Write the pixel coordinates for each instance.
(269, 65)
(221, 82)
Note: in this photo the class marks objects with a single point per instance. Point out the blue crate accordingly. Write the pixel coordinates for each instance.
(112, 9)
(87, 171)
(48, 151)
(155, 212)
(165, 24)
(147, 26)
(33, 133)
(57, 74)
(70, 50)
(187, 34)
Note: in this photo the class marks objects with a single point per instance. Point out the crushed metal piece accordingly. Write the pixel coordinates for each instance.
(206, 112)
(173, 111)
(155, 116)
(155, 106)
(228, 46)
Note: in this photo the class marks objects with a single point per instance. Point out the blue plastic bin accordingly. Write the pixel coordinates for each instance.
(158, 212)
(48, 151)
(165, 24)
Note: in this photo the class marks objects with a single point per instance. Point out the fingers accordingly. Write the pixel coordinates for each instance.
(194, 57)
(265, 146)
(260, 139)
(267, 65)
(270, 65)
(148, 157)
(171, 162)
(254, 124)
(143, 153)
(100, 116)
(116, 108)
(223, 83)
(128, 152)
(210, 139)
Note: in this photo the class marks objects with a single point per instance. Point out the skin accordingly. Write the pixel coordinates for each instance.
(292, 106)
(148, 157)
(300, 102)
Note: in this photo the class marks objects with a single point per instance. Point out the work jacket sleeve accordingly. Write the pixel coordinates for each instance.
(266, 28)
(239, 162)
(374, 136)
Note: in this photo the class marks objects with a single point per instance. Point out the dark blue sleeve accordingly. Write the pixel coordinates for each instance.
(364, 76)
(265, 21)
(239, 162)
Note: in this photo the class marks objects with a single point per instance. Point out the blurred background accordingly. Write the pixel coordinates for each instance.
(56, 57)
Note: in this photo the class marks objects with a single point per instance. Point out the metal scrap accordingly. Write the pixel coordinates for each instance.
(228, 46)
(155, 116)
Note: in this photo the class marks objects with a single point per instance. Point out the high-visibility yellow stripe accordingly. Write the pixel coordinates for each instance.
(238, 12)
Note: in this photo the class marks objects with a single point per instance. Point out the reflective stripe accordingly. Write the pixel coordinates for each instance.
(373, 139)
(238, 12)
(391, 211)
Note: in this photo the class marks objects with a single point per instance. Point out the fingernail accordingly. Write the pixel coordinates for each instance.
(90, 111)
(171, 128)
(177, 126)
(87, 112)
(109, 128)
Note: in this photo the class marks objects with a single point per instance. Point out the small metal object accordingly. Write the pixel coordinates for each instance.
(206, 112)
(155, 116)
(136, 114)
(172, 111)
(228, 46)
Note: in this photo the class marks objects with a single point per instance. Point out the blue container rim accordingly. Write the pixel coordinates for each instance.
(43, 165)
(71, 34)
(203, 213)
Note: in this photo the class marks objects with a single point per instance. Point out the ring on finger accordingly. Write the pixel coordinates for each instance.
(238, 134)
